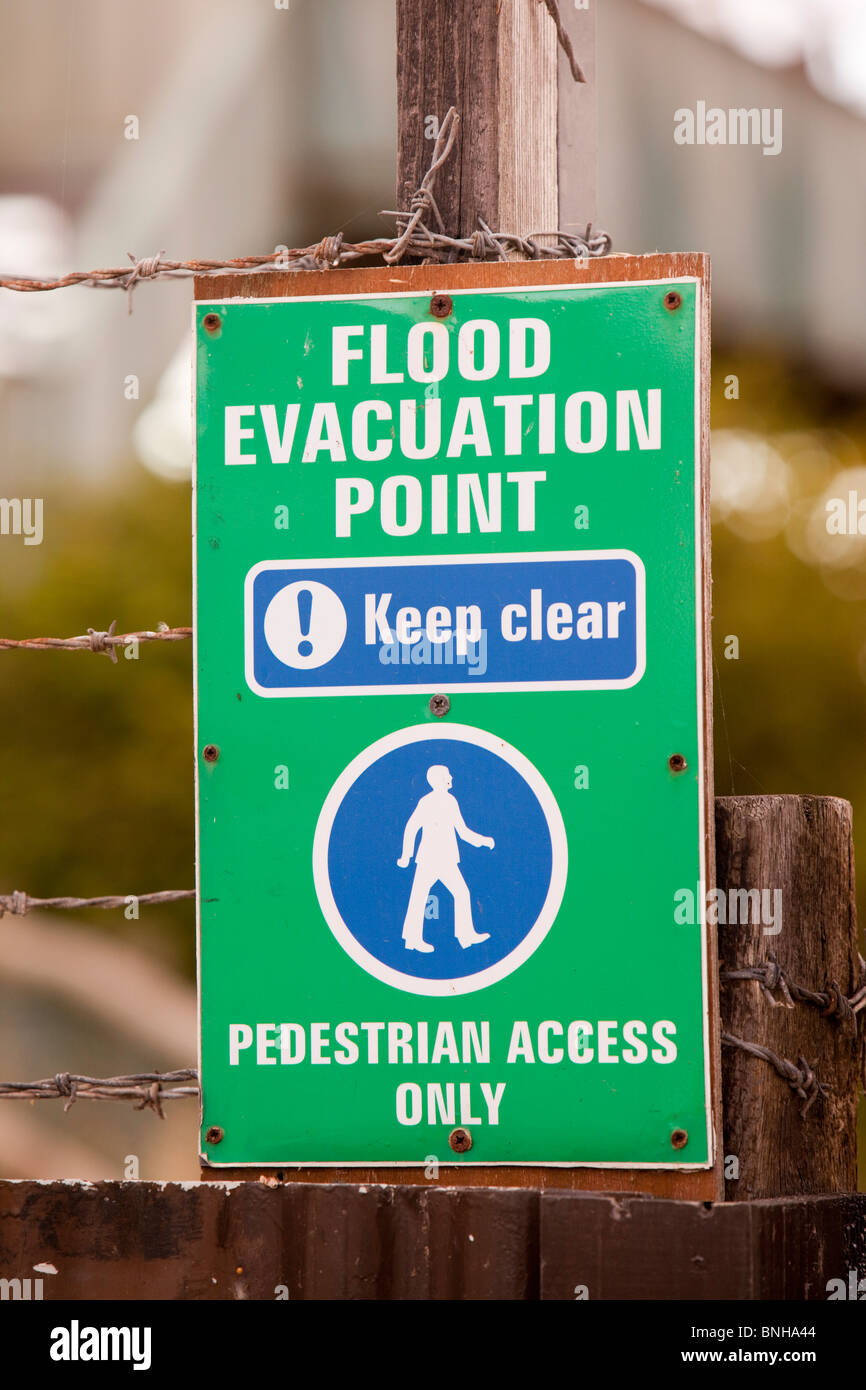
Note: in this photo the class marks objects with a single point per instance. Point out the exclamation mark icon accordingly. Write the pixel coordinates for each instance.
(305, 622)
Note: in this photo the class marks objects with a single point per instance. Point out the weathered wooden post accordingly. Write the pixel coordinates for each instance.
(523, 83)
(789, 967)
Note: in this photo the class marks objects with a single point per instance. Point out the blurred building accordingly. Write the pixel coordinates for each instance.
(254, 126)
(251, 125)
(784, 230)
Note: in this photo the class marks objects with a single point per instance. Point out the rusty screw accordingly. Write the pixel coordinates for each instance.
(441, 306)
(439, 705)
(679, 1138)
(210, 752)
(460, 1140)
(677, 762)
(673, 300)
(214, 1135)
(211, 323)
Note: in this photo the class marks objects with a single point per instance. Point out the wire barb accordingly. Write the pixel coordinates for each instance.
(95, 640)
(773, 978)
(18, 904)
(147, 1090)
(422, 199)
(800, 1077)
(145, 269)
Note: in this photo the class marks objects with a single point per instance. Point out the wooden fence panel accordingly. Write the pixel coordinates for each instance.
(224, 1241)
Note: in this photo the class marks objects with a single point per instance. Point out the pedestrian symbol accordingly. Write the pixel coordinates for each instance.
(438, 818)
(489, 850)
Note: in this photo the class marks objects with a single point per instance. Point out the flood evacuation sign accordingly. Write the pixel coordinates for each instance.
(450, 746)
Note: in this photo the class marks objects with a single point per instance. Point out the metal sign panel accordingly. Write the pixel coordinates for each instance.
(450, 728)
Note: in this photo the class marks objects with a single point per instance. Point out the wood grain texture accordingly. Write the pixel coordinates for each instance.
(113, 1240)
(801, 845)
(447, 55)
(697, 1184)
(526, 153)
(214, 1241)
(633, 1249)
(526, 120)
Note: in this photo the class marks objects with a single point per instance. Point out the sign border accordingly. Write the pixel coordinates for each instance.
(684, 1180)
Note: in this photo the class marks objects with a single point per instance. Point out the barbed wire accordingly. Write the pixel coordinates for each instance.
(802, 1078)
(18, 904)
(415, 238)
(147, 1090)
(564, 40)
(95, 640)
(772, 977)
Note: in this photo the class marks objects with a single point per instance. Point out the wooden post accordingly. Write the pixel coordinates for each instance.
(525, 155)
(797, 851)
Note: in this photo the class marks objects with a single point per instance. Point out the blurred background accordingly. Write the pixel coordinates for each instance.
(227, 127)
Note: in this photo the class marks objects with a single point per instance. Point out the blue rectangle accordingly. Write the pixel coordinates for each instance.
(555, 621)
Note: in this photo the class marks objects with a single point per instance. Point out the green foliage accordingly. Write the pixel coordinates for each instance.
(790, 713)
(98, 758)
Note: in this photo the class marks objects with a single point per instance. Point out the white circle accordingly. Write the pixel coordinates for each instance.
(324, 633)
(463, 984)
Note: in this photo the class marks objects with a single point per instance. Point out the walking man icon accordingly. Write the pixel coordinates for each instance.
(439, 820)
(380, 914)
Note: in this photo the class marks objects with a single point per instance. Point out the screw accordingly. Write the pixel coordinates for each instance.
(673, 300)
(214, 1135)
(460, 1140)
(441, 305)
(677, 763)
(439, 705)
(211, 323)
(210, 752)
(679, 1138)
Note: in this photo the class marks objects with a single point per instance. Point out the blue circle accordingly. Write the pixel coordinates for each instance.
(508, 885)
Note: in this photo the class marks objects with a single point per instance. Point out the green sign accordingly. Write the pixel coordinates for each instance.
(449, 728)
